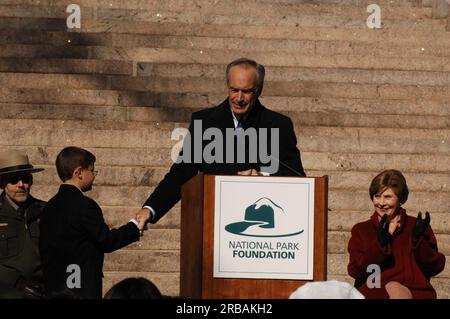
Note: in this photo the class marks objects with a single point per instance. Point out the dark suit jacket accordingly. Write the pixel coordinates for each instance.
(168, 192)
(73, 232)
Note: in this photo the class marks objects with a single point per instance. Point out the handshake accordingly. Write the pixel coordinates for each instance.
(143, 217)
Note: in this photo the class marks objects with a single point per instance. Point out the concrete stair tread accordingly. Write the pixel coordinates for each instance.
(137, 4)
(66, 66)
(189, 11)
(312, 139)
(168, 119)
(141, 129)
(318, 47)
(216, 71)
(391, 35)
(143, 105)
(117, 84)
(319, 74)
(313, 161)
(211, 56)
(102, 98)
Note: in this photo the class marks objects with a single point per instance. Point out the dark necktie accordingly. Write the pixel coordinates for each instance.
(239, 127)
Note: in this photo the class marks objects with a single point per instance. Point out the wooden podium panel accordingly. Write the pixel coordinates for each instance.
(197, 247)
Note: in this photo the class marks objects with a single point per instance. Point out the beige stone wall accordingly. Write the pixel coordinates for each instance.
(361, 100)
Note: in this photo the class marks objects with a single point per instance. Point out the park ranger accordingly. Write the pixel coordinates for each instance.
(20, 270)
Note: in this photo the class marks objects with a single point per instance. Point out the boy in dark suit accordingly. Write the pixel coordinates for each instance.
(74, 235)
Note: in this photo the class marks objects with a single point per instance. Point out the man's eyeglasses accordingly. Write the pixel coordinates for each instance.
(26, 179)
(93, 172)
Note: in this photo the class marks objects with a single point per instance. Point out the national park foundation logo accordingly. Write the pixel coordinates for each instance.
(264, 218)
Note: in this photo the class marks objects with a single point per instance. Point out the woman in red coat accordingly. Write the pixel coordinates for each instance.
(402, 246)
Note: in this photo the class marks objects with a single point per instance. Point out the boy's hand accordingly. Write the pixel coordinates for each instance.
(142, 217)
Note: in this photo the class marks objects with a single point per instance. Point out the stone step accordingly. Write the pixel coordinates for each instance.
(304, 47)
(285, 88)
(309, 118)
(254, 11)
(356, 141)
(65, 112)
(25, 10)
(441, 286)
(436, 202)
(157, 239)
(212, 56)
(178, 102)
(363, 3)
(217, 72)
(387, 35)
(64, 96)
(45, 51)
(294, 16)
(317, 139)
(69, 66)
(44, 81)
(413, 163)
(25, 24)
(185, 5)
(200, 85)
(138, 260)
(167, 282)
(129, 117)
(150, 176)
(325, 161)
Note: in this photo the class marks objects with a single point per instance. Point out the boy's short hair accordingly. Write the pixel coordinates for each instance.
(70, 158)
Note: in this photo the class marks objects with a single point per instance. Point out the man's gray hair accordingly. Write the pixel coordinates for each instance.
(260, 72)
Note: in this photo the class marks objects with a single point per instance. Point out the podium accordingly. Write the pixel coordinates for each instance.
(197, 247)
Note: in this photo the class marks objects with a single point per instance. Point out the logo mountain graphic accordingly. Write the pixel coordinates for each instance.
(263, 218)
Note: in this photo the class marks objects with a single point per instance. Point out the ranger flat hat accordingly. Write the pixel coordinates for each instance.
(14, 162)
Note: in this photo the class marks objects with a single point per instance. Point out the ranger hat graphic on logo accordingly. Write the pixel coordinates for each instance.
(264, 218)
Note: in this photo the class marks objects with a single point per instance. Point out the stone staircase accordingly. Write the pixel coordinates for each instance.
(361, 100)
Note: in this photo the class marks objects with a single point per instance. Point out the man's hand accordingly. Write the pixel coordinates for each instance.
(143, 217)
(250, 172)
(383, 235)
(420, 227)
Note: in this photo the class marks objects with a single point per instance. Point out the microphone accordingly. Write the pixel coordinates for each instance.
(287, 166)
